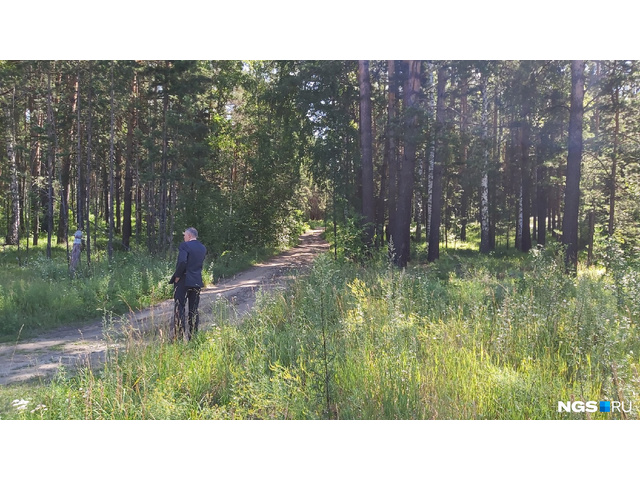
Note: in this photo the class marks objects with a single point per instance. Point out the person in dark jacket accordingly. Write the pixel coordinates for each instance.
(187, 282)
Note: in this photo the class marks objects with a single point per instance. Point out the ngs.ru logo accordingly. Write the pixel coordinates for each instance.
(592, 407)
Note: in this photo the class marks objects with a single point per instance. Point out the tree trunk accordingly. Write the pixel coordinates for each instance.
(36, 167)
(128, 167)
(542, 205)
(432, 157)
(368, 206)
(614, 160)
(13, 232)
(464, 134)
(381, 201)
(493, 190)
(111, 168)
(417, 201)
(392, 158)
(51, 134)
(592, 230)
(525, 179)
(65, 173)
(405, 185)
(165, 166)
(87, 195)
(574, 160)
(80, 180)
(484, 182)
(436, 209)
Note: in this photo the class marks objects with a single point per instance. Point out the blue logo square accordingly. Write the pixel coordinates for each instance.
(605, 406)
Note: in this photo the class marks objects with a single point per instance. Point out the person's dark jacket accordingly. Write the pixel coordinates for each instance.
(189, 265)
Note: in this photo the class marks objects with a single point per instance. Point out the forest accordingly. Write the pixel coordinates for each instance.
(130, 151)
(483, 219)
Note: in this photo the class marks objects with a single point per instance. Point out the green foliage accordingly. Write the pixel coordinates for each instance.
(468, 337)
(40, 294)
(348, 239)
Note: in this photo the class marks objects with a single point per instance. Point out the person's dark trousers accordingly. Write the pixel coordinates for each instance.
(181, 295)
(179, 300)
(193, 295)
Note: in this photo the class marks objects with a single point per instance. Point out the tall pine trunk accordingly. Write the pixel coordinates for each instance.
(407, 172)
(111, 162)
(80, 202)
(87, 195)
(525, 179)
(65, 173)
(51, 135)
(485, 246)
(432, 156)
(615, 100)
(392, 157)
(128, 167)
(162, 226)
(436, 202)
(464, 134)
(574, 160)
(368, 206)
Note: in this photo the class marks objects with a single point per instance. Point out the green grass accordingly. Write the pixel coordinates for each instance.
(38, 294)
(467, 337)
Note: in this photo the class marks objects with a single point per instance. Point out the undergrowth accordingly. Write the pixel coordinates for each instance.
(466, 337)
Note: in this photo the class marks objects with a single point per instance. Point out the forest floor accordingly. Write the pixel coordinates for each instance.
(88, 343)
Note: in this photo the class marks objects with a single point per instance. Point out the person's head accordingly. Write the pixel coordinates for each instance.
(190, 234)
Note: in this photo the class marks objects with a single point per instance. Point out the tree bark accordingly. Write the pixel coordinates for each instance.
(162, 226)
(368, 206)
(405, 186)
(484, 182)
(436, 209)
(392, 159)
(614, 159)
(525, 178)
(36, 168)
(13, 232)
(542, 205)
(51, 134)
(80, 178)
(111, 168)
(87, 195)
(432, 156)
(574, 160)
(464, 134)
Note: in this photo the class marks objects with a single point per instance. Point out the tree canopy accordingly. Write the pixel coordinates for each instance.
(246, 150)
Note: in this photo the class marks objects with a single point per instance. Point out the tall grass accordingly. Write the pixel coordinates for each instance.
(41, 294)
(467, 337)
(38, 293)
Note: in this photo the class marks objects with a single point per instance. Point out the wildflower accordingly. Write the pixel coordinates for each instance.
(20, 404)
(39, 407)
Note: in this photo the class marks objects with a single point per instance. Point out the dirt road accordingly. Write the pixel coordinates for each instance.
(87, 344)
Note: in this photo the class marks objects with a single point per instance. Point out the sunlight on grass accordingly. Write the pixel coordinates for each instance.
(467, 337)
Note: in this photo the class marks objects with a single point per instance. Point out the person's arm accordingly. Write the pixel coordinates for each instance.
(181, 264)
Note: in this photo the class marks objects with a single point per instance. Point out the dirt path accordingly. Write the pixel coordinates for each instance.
(77, 345)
